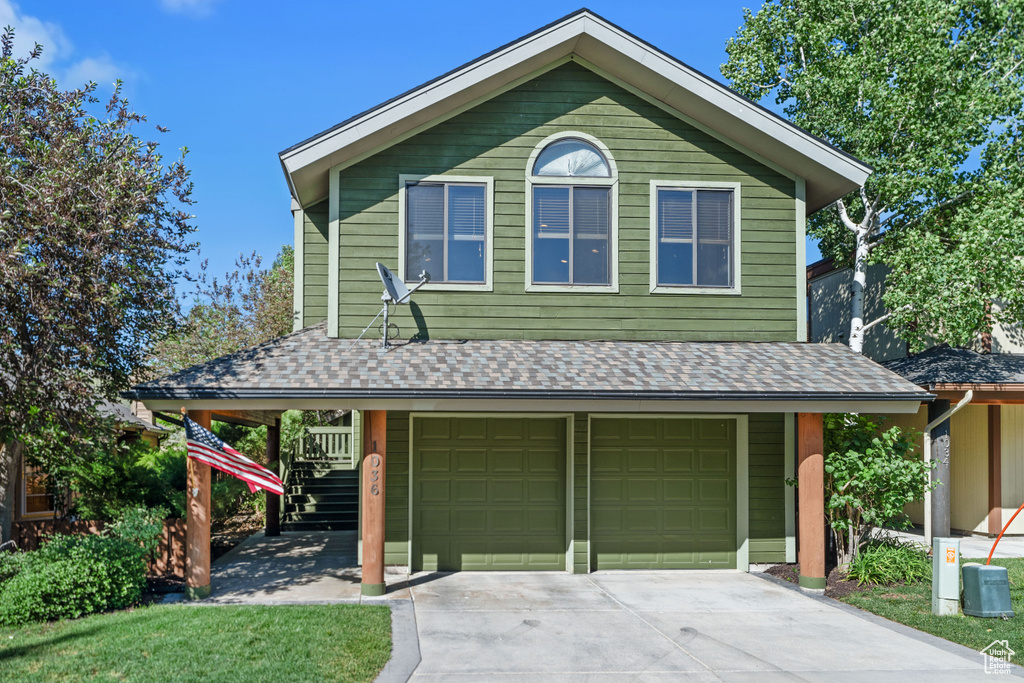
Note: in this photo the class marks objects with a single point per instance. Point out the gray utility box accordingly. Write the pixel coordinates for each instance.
(945, 576)
(986, 591)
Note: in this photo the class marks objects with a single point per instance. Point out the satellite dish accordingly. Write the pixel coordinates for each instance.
(395, 290)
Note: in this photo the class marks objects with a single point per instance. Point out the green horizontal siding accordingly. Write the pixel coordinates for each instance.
(766, 477)
(581, 495)
(314, 264)
(495, 139)
(396, 510)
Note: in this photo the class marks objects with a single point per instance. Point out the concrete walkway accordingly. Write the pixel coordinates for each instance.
(295, 567)
(973, 546)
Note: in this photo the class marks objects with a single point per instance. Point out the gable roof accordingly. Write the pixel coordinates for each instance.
(829, 172)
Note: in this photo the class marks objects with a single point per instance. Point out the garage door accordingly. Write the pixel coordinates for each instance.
(663, 493)
(489, 493)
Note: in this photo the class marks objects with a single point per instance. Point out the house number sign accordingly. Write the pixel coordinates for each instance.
(374, 474)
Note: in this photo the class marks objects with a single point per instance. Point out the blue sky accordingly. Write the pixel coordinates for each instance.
(238, 81)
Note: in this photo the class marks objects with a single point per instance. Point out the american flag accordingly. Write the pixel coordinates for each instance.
(204, 446)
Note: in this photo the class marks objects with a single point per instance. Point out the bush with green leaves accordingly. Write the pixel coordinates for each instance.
(870, 476)
(71, 576)
(889, 561)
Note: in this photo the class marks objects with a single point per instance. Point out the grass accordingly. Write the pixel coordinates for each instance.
(191, 643)
(912, 606)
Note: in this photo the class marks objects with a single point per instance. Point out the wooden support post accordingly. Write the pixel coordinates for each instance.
(374, 465)
(273, 464)
(940, 470)
(197, 525)
(811, 491)
(995, 470)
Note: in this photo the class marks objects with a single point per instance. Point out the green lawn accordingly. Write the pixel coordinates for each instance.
(912, 605)
(192, 643)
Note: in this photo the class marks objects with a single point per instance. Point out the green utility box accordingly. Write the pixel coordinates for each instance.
(986, 591)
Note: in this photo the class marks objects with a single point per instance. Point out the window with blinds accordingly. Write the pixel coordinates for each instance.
(695, 237)
(571, 234)
(446, 229)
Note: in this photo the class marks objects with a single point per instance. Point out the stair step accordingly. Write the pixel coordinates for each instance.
(321, 506)
(321, 465)
(321, 516)
(319, 487)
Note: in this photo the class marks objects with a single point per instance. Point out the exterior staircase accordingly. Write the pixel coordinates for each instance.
(321, 482)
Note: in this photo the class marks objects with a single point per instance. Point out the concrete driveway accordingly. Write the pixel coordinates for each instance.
(661, 626)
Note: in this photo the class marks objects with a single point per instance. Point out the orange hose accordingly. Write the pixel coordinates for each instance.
(989, 560)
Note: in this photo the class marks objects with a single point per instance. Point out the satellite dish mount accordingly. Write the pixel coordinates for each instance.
(395, 292)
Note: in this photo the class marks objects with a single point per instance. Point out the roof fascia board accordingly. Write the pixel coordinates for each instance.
(589, 37)
(520, 405)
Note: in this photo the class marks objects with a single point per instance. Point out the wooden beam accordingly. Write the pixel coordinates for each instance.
(197, 525)
(995, 470)
(273, 464)
(984, 397)
(374, 466)
(811, 491)
(247, 418)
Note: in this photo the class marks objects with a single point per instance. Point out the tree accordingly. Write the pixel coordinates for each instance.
(929, 93)
(870, 476)
(93, 232)
(249, 306)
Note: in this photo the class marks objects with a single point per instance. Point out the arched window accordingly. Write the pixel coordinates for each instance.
(571, 158)
(572, 204)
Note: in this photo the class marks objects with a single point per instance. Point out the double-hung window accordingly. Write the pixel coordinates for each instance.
(572, 216)
(446, 230)
(694, 238)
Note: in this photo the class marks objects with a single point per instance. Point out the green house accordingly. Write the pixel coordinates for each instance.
(606, 367)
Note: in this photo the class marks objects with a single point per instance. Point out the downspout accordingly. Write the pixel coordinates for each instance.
(928, 459)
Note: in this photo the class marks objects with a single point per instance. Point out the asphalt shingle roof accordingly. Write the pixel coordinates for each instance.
(947, 365)
(309, 364)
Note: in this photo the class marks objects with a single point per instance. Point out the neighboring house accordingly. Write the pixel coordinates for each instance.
(33, 499)
(606, 367)
(986, 484)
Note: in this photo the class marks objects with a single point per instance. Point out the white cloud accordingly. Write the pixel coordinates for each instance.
(56, 58)
(199, 8)
(29, 30)
(101, 69)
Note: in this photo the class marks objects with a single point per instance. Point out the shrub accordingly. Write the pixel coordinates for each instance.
(889, 561)
(870, 476)
(71, 576)
(140, 526)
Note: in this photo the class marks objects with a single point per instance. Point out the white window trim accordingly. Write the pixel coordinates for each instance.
(488, 182)
(737, 231)
(612, 183)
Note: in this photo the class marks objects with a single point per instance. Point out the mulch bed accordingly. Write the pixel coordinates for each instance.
(836, 585)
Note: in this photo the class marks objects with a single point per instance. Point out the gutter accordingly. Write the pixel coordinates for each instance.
(928, 458)
(193, 394)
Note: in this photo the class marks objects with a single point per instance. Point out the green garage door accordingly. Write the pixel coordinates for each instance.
(663, 493)
(488, 493)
